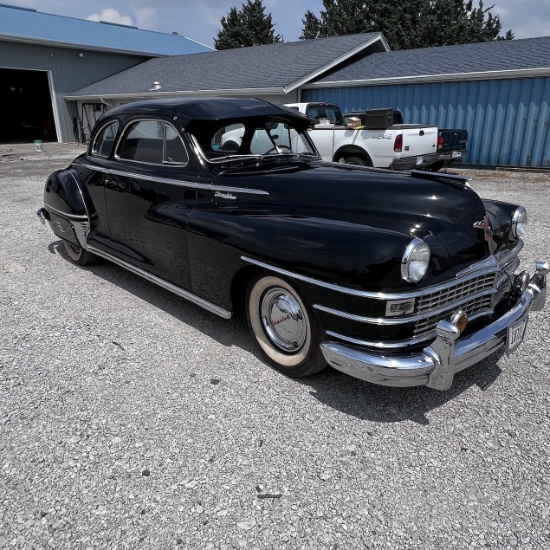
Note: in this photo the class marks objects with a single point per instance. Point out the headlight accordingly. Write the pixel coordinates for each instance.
(415, 261)
(519, 221)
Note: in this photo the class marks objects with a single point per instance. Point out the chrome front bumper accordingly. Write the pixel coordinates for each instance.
(437, 364)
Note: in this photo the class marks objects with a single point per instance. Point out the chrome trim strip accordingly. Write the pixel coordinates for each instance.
(495, 262)
(70, 216)
(471, 272)
(179, 183)
(403, 343)
(404, 320)
(164, 284)
(380, 345)
(81, 230)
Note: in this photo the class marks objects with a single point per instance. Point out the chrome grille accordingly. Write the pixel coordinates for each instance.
(426, 327)
(449, 296)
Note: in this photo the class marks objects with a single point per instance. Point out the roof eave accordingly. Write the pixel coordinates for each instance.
(149, 95)
(74, 45)
(307, 78)
(451, 77)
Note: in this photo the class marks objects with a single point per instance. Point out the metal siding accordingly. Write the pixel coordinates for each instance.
(507, 120)
(68, 72)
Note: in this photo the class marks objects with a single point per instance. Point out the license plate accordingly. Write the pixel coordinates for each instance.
(456, 154)
(419, 160)
(516, 332)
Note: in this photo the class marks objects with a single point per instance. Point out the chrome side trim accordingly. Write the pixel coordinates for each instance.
(66, 214)
(81, 229)
(162, 283)
(405, 319)
(490, 265)
(178, 183)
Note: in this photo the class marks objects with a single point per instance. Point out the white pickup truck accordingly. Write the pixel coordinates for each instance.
(379, 142)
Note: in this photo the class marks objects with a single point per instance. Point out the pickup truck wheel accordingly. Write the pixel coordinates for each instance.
(282, 324)
(78, 255)
(436, 166)
(356, 161)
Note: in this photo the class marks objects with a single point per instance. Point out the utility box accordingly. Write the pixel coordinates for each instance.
(378, 119)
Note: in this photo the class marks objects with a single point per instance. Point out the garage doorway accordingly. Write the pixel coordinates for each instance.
(26, 106)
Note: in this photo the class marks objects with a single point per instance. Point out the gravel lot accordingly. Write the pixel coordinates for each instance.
(130, 418)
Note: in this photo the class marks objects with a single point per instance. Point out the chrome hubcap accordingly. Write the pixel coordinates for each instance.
(283, 319)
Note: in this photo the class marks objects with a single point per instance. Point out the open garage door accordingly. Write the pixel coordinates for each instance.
(26, 111)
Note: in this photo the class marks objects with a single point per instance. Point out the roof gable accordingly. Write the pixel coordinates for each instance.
(275, 67)
(30, 26)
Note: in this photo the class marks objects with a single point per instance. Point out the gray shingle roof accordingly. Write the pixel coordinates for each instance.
(281, 66)
(42, 28)
(482, 57)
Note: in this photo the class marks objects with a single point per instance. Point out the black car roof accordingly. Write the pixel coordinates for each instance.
(206, 108)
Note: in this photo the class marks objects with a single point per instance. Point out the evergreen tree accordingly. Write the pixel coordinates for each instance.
(249, 26)
(312, 26)
(410, 24)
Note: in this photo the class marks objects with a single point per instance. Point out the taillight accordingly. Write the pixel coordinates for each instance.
(398, 143)
(440, 142)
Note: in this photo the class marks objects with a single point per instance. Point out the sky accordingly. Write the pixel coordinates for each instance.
(200, 19)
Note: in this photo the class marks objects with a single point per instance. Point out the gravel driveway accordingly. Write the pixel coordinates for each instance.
(130, 418)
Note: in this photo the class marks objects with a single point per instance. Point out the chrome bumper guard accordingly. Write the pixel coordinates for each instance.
(437, 364)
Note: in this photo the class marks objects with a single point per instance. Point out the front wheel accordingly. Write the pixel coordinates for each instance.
(287, 333)
(78, 255)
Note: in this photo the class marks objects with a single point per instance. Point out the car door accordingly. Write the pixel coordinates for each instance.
(150, 189)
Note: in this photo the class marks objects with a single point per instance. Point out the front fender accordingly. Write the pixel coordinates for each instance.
(342, 253)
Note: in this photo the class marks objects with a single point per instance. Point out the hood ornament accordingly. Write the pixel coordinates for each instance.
(486, 227)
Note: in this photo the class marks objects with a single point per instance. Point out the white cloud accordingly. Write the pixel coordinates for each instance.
(146, 18)
(110, 15)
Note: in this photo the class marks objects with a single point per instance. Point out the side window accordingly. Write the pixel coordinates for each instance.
(104, 141)
(143, 142)
(152, 142)
(174, 151)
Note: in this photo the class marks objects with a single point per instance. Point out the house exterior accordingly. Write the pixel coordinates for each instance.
(43, 57)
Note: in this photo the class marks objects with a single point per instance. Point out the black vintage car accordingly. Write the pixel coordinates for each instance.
(400, 279)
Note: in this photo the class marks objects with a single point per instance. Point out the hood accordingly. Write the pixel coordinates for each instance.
(441, 211)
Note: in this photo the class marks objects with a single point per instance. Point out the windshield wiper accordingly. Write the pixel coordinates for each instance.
(253, 158)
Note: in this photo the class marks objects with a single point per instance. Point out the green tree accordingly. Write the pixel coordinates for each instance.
(312, 26)
(410, 24)
(249, 26)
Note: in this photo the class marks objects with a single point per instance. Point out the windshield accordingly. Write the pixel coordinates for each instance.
(268, 136)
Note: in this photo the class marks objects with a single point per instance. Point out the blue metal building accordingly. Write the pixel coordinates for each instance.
(499, 91)
(44, 57)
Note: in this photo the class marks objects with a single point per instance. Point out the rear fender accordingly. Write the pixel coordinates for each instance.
(67, 204)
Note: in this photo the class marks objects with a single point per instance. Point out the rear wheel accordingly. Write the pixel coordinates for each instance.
(286, 331)
(78, 255)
